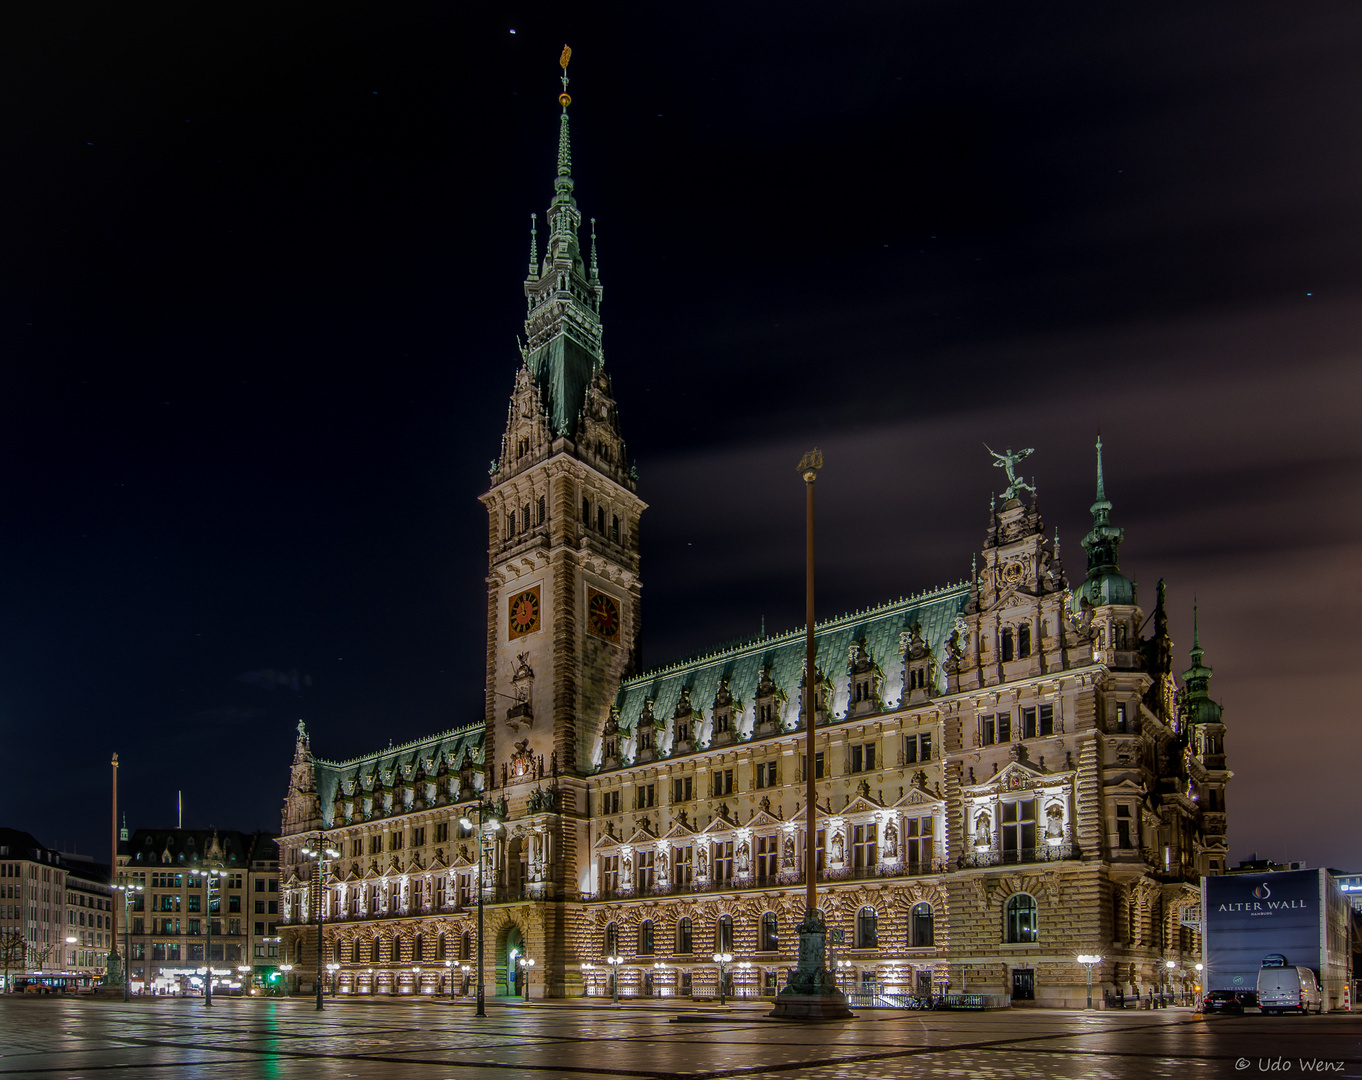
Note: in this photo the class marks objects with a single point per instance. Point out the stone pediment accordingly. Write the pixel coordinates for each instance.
(462, 857)
(678, 832)
(607, 840)
(1017, 776)
(916, 797)
(720, 824)
(861, 804)
(764, 819)
(371, 872)
(641, 838)
(438, 862)
(353, 875)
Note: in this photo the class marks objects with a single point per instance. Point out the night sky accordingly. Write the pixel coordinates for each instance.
(262, 282)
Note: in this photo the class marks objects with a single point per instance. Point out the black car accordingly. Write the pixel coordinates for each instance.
(1228, 1001)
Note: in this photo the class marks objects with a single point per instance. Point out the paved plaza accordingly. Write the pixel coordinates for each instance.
(281, 1039)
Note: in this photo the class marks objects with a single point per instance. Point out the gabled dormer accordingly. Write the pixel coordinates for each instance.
(866, 679)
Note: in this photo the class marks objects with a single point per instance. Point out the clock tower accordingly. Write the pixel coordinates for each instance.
(563, 590)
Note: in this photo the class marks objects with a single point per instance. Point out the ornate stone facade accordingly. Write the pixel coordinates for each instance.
(1007, 773)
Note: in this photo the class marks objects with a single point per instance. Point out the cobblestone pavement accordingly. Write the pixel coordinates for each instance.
(284, 1039)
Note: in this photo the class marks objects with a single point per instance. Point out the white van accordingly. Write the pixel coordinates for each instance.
(1282, 988)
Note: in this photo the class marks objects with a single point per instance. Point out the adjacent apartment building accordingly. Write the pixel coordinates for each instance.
(56, 908)
(181, 922)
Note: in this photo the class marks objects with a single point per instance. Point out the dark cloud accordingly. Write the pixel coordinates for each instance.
(264, 281)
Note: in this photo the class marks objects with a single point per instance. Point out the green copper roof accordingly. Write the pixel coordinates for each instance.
(396, 763)
(934, 613)
(1104, 583)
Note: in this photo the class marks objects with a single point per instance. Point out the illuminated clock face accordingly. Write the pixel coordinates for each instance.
(603, 615)
(523, 615)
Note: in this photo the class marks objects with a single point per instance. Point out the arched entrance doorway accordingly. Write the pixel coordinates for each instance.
(510, 948)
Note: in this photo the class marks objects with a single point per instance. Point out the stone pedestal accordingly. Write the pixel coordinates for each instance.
(812, 993)
(113, 970)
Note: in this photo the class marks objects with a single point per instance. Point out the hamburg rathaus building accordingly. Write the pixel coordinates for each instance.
(1007, 773)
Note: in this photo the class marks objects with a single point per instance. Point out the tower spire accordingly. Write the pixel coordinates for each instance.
(562, 184)
(1101, 487)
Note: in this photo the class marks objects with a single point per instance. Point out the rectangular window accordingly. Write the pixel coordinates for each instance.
(920, 843)
(441, 893)
(1019, 829)
(610, 874)
(1047, 720)
(376, 845)
(441, 832)
(646, 796)
(234, 904)
(643, 870)
(1123, 827)
(768, 851)
(418, 836)
(260, 907)
(863, 757)
(542, 510)
(910, 749)
(1121, 717)
(765, 772)
(864, 851)
(395, 841)
(723, 861)
(615, 529)
(610, 802)
(1004, 727)
(723, 782)
(1028, 723)
(818, 765)
(683, 865)
(681, 789)
(987, 731)
(821, 851)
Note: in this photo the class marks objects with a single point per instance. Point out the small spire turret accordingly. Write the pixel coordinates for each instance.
(1105, 584)
(534, 247)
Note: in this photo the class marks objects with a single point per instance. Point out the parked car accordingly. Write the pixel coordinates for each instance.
(1228, 1001)
(1283, 988)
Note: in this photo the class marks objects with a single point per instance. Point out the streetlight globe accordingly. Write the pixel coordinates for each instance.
(1200, 967)
(465, 823)
(1170, 964)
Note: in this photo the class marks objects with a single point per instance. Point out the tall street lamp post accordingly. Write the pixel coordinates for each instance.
(321, 855)
(526, 962)
(127, 891)
(486, 815)
(212, 879)
(1089, 961)
(615, 962)
(722, 958)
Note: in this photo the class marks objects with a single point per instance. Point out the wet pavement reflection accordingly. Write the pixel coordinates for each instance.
(86, 1038)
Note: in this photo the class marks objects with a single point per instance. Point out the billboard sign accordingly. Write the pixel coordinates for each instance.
(1251, 917)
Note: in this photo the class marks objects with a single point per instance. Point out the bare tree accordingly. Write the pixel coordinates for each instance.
(39, 954)
(12, 949)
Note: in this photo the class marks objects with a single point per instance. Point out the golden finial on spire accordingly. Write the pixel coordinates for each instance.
(565, 99)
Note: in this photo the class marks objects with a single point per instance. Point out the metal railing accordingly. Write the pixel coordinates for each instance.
(976, 857)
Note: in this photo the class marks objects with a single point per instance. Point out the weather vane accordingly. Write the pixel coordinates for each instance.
(1009, 461)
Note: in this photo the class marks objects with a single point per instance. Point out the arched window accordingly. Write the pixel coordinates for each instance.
(923, 930)
(770, 932)
(1024, 640)
(867, 929)
(418, 948)
(645, 938)
(723, 934)
(1022, 923)
(1007, 644)
(684, 946)
(466, 946)
(611, 945)
(336, 957)
(373, 951)
(441, 949)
